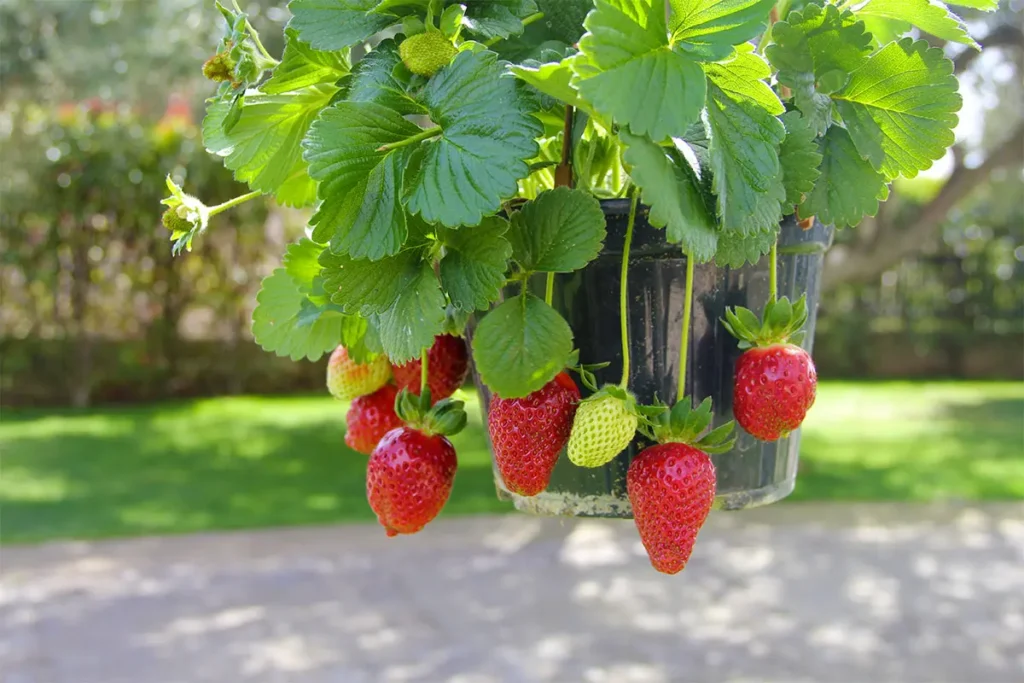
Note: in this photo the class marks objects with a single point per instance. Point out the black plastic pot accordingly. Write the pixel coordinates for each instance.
(753, 473)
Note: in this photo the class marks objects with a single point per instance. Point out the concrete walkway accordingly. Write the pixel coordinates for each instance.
(788, 593)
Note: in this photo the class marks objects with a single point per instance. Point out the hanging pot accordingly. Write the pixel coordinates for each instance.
(753, 473)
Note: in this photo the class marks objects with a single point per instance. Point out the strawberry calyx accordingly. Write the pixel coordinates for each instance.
(447, 417)
(585, 371)
(186, 217)
(781, 323)
(688, 425)
(646, 415)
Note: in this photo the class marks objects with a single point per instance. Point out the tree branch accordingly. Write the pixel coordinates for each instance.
(892, 245)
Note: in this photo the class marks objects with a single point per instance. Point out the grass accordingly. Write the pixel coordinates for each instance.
(246, 462)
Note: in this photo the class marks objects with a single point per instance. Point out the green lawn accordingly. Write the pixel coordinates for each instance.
(252, 461)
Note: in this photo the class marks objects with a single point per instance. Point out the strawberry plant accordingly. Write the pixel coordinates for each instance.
(454, 156)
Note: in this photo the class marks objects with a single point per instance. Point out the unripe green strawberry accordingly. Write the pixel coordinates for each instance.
(220, 67)
(347, 379)
(425, 53)
(603, 428)
(174, 221)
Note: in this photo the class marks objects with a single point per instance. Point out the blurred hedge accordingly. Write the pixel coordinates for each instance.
(86, 262)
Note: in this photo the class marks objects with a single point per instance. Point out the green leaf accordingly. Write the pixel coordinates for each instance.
(451, 20)
(710, 28)
(487, 137)
(900, 107)
(496, 18)
(930, 17)
(520, 346)
(812, 49)
(301, 66)
(410, 324)
(848, 187)
(633, 75)
(671, 189)
(743, 151)
(374, 79)
(884, 31)
(560, 231)
(301, 261)
(263, 148)
(799, 157)
(336, 24)
(281, 322)
(368, 287)
(742, 78)
(474, 264)
(401, 293)
(553, 79)
(735, 250)
(983, 5)
(359, 339)
(361, 212)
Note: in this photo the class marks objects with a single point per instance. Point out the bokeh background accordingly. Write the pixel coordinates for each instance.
(134, 402)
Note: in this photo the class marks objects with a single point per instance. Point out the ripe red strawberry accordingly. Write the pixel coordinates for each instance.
(347, 379)
(447, 367)
(528, 433)
(775, 379)
(775, 387)
(408, 479)
(411, 471)
(671, 487)
(370, 417)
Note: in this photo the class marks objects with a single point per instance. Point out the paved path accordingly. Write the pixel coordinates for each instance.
(789, 593)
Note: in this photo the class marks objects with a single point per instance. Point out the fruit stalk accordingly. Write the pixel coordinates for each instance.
(424, 369)
(773, 272)
(254, 34)
(623, 290)
(685, 341)
(232, 203)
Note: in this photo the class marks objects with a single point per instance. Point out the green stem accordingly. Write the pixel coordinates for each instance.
(773, 272)
(422, 135)
(254, 34)
(424, 369)
(537, 16)
(623, 290)
(617, 184)
(549, 291)
(684, 344)
(232, 203)
(526, 22)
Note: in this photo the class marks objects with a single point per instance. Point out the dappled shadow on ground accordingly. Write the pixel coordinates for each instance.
(789, 593)
(971, 450)
(196, 466)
